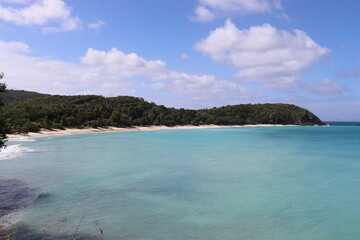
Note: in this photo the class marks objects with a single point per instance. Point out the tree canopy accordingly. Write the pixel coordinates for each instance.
(3, 127)
(59, 112)
(19, 95)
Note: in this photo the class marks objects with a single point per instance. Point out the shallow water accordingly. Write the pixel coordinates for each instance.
(274, 183)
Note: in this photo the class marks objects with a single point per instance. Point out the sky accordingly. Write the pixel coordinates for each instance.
(188, 53)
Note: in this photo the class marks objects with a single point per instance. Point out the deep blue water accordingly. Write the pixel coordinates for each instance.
(343, 123)
(273, 183)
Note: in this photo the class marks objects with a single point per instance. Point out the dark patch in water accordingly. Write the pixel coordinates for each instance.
(43, 197)
(14, 196)
(24, 233)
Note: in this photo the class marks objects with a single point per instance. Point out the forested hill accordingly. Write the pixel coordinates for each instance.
(19, 95)
(97, 111)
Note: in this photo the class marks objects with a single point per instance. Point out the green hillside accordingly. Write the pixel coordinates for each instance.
(19, 95)
(59, 112)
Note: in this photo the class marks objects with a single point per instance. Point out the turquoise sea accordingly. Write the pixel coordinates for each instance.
(264, 183)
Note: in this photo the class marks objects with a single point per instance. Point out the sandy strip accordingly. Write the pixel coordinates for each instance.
(68, 131)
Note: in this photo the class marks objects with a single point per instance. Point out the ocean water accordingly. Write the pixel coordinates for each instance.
(266, 183)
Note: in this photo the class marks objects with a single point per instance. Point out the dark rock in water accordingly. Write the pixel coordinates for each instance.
(14, 196)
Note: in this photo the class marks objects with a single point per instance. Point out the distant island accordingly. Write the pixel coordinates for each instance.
(26, 111)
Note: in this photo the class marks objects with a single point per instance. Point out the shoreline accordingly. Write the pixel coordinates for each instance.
(71, 131)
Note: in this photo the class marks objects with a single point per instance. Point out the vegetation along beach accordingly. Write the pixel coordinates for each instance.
(179, 120)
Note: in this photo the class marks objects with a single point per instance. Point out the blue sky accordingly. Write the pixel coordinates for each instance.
(188, 53)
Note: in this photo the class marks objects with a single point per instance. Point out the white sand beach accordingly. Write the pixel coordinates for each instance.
(55, 132)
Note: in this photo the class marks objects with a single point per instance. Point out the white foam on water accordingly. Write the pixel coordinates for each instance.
(14, 151)
(23, 139)
(8, 221)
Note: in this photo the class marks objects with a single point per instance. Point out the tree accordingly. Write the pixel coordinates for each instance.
(2, 118)
(25, 112)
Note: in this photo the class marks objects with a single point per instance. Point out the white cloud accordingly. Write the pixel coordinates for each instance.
(278, 4)
(202, 14)
(198, 86)
(202, 86)
(239, 5)
(109, 73)
(120, 65)
(284, 16)
(52, 15)
(207, 10)
(96, 24)
(184, 56)
(324, 87)
(14, 1)
(274, 58)
(22, 71)
(70, 24)
(14, 47)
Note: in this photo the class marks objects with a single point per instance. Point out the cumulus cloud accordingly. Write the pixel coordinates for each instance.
(202, 14)
(324, 87)
(202, 86)
(275, 58)
(42, 74)
(207, 10)
(109, 73)
(14, 1)
(120, 65)
(198, 86)
(97, 24)
(51, 15)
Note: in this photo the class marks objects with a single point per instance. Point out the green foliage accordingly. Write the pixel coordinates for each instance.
(19, 95)
(3, 125)
(96, 111)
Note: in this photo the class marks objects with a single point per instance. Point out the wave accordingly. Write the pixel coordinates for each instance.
(9, 220)
(13, 151)
(23, 139)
